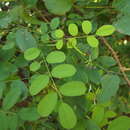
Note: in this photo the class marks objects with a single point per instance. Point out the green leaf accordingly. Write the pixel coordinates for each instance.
(44, 27)
(12, 97)
(63, 71)
(67, 116)
(29, 114)
(2, 88)
(92, 41)
(45, 38)
(31, 53)
(105, 30)
(55, 57)
(80, 125)
(110, 85)
(73, 88)
(59, 7)
(35, 66)
(8, 46)
(98, 114)
(38, 84)
(122, 6)
(110, 114)
(10, 16)
(55, 22)
(91, 125)
(86, 26)
(3, 121)
(47, 104)
(59, 44)
(73, 29)
(30, 3)
(106, 61)
(12, 122)
(20, 84)
(25, 40)
(59, 33)
(93, 75)
(120, 123)
(122, 24)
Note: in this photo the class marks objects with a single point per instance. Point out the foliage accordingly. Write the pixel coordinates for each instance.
(64, 64)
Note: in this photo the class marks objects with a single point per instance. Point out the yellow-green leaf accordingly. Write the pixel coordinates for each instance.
(59, 44)
(59, 33)
(73, 88)
(73, 29)
(92, 41)
(38, 83)
(105, 30)
(67, 116)
(63, 71)
(47, 104)
(55, 57)
(31, 53)
(86, 26)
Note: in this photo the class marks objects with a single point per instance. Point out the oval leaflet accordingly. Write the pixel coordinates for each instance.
(63, 71)
(38, 83)
(67, 116)
(73, 88)
(47, 104)
(31, 53)
(55, 57)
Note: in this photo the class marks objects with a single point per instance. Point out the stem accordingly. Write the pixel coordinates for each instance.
(53, 82)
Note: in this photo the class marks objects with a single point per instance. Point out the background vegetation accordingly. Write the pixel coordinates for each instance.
(64, 64)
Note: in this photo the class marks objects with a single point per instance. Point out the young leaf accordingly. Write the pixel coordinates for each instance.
(72, 42)
(73, 88)
(31, 53)
(63, 71)
(105, 30)
(86, 26)
(59, 44)
(34, 66)
(92, 41)
(47, 104)
(59, 33)
(55, 57)
(38, 83)
(73, 29)
(67, 116)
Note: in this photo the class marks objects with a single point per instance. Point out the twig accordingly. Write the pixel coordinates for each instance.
(121, 67)
(126, 69)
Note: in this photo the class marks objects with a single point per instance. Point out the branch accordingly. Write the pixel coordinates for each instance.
(121, 67)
